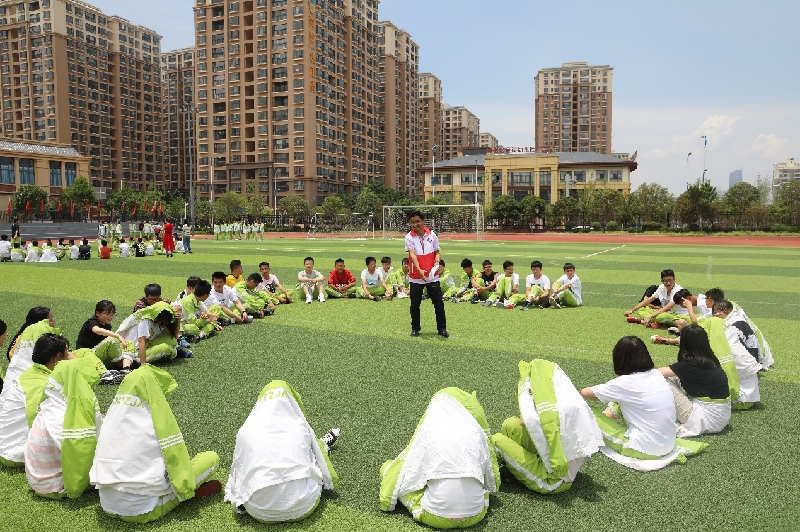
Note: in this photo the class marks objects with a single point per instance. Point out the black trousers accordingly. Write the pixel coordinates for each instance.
(435, 295)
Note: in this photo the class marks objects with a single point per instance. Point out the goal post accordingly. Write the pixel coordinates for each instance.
(465, 220)
(359, 225)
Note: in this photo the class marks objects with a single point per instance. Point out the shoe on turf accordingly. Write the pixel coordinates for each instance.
(443, 333)
(331, 437)
(183, 342)
(675, 331)
(309, 299)
(112, 377)
(475, 300)
(656, 339)
(321, 299)
(206, 489)
(183, 353)
(554, 303)
(249, 319)
(414, 333)
(488, 303)
(508, 304)
(526, 306)
(269, 312)
(634, 319)
(498, 303)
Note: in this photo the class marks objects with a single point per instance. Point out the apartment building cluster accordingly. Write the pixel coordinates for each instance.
(274, 97)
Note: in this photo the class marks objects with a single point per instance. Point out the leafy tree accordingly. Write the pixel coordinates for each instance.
(175, 208)
(655, 201)
(506, 209)
(229, 206)
(739, 198)
(333, 205)
(764, 186)
(628, 210)
(758, 214)
(127, 195)
(370, 201)
(565, 210)
(533, 208)
(203, 211)
(789, 200)
(605, 204)
(349, 200)
(28, 195)
(701, 204)
(295, 207)
(684, 210)
(256, 205)
(80, 192)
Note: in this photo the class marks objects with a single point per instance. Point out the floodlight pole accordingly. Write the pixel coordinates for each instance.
(433, 174)
(476, 181)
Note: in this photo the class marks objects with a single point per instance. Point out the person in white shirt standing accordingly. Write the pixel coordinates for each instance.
(422, 246)
(567, 290)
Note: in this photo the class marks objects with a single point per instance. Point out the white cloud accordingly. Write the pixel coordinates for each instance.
(770, 147)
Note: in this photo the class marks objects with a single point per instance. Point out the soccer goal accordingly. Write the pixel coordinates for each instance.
(351, 225)
(466, 220)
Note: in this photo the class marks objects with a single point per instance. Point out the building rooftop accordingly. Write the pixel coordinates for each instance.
(467, 161)
(39, 148)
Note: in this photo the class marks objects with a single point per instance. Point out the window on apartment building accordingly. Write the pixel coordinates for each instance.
(27, 174)
(55, 174)
(7, 170)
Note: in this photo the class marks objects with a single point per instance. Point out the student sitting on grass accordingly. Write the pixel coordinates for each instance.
(699, 386)
(373, 286)
(34, 254)
(235, 276)
(61, 249)
(22, 395)
(139, 248)
(199, 318)
(154, 331)
(3, 337)
(49, 253)
(74, 250)
(256, 302)
(152, 295)
(446, 473)
(149, 249)
(228, 300)
(668, 312)
(62, 439)
(507, 292)
(270, 283)
(310, 281)
(446, 281)
(555, 434)
(124, 249)
(96, 334)
(537, 288)
(17, 254)
(105, 250)
(567, 289)
(84, 250)
(39, 321)
(341, 283)
(279, 468)
(464, 290)
(485, 283)
(639, 426)
(142, 468)
(5, 249)
(736, 316)
(399, 280)
(386, 267)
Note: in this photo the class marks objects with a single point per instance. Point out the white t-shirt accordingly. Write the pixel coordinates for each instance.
(665, 297)
(74, 253)
(648, 407)
(427, 244)
(145, 329)
(17, 255)
(543, 282)
(149, 251)
(575, 284)
(372, 279)
(5, 249)
(124, 250)
(313, 275)
(704, 311)
(227, 298)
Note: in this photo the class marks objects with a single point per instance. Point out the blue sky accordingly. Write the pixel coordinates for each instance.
(725, 69)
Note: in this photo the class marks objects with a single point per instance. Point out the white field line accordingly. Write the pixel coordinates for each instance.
(708, 269)
(601, 252)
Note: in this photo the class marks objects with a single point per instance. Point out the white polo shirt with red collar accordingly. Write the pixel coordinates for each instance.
(425, 247)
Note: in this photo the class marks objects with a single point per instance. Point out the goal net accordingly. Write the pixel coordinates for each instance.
(352, 225)
(465, 220)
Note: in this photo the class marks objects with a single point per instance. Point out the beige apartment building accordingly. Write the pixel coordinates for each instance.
(287, 97)
(489, 141)
(574, 108)
(400, 109)
(179, 147)
(783, 173)
(461, 129)
(74, 75)
(431, 130)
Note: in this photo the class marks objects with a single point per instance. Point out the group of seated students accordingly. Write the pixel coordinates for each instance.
(46, 251)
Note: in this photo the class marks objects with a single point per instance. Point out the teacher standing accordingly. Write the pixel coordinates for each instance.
(422, 246)
(167, 239)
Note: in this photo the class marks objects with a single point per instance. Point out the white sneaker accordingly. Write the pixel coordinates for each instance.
(321, 299)
(308, 299)
(508, 304)
(249, 319)
(330, 437)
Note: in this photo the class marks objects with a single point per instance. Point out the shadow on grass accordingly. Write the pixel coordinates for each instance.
(184, 512)
(245, 521)
(584, 488)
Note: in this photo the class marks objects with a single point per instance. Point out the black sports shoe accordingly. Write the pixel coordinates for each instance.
(414, 333)
(330, 437)
(183, 353)
(475, 300)
(112, 377)
(525, 306)
(443, 333)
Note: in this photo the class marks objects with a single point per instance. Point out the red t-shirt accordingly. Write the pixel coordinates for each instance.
(105, 252)
(334, 279)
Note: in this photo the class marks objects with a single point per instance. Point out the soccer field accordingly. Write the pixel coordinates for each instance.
(356, 367)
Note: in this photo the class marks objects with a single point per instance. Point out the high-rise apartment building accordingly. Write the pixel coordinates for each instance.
(489, 141)
(431, 130)
(74, 75)
(573, 108)
(287, 97)
(399, 109)
(180, 150)
(734, 177)
(462, 129)
(783, 173)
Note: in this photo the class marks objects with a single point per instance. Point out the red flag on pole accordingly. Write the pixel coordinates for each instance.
(71, 208)
(59, 207)
(28, 206)
(161, 208)
(135, 206)
(98, 207)
(41, 205)
(153, 210)
(88, 208)
(8, 208)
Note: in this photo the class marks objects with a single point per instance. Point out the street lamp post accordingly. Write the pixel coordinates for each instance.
(190, 133)
(476, 181)
(433, 174)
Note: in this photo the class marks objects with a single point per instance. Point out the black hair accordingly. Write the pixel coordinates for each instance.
(167, 318)
(3, 237)
(667, 273)
(254, 278)
(85, 242)
(441, 263)
(48, 347)
(337, 261)
(416, 213)
(680, 295)
(152, 289)
(103, 242)
(369, 259)
(696, 348)
(569, 266)
(218, 275)
(49, 242)
(72, 241)
(308, 258)
(507, 263)
(466, 263)
(103, 306)
(716, 294)
(35, 315)
(723, 305)
(487, 262)
(235, 263)
(3, 327)
(35, 242)
(203, 288)
(61, 241)
(386, 260)
(536, 264)
(404, 261)
(630, 355)
(260, 264)
(192, 281)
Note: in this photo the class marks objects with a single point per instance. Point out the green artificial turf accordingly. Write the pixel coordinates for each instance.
(356, 367)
